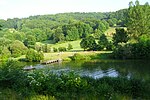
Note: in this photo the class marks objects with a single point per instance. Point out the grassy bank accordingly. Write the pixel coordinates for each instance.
(67, 55)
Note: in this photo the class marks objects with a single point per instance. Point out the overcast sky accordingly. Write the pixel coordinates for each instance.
(26, 8)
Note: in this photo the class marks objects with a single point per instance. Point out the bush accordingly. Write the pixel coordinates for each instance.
(17, 48)
(123, 51)
(62, 49)
(140, 50)
(33, 55)
(77, 56)
(70, 47)
(55, 49)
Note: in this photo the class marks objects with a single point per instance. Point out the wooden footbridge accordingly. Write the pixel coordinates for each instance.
(51, 61)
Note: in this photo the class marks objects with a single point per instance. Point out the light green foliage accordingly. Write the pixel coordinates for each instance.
(17, 48)
(33, 55)
(97, 33)
(30, 41)
(72, 34)
(4, 42)
(46, 48)
(39, 34)
(75, 45)
(5, 53)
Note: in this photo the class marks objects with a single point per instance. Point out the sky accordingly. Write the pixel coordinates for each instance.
(26, 8)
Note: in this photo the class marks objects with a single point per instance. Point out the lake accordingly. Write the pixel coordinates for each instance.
(100, 68)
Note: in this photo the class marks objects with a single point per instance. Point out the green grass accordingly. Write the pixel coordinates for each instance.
(109, 33)
(75, 44)
(76, 48)
(66, 55)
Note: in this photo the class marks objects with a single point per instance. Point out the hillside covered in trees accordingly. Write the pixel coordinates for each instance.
(65, 26)
(18, 35)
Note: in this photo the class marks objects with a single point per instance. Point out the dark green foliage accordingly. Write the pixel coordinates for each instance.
(33, 55)
(122, 51)
(88, 43)
(70, 47)
(17, 48)
(77, 56)
(103, 42)
(120, 36)
(10, 73)
(140, 50)
(55, 49)
(0, 27)
(138, 27)
(62, 49)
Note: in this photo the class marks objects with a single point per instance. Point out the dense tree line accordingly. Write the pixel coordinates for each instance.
(72, 25)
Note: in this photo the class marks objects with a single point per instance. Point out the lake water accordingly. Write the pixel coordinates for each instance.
(100, 68)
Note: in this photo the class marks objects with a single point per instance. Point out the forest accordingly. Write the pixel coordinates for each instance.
(31, 39)
(18, 35)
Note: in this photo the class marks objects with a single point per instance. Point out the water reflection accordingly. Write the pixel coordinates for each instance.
(101, 68)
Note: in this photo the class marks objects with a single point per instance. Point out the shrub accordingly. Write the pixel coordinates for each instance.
(17, 48)
(55, 49)
(33, 55)
(77, 56)
(62, 49)
(140, 50)
(70, 47)
(123, 51)
(5, 54)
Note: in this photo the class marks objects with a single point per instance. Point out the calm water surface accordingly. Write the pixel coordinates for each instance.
(100, 68)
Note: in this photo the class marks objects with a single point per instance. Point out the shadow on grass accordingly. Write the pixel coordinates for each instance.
(102, 56)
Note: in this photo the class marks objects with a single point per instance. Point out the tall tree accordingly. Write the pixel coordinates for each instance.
(120, 36)
(58, 35)
(138, 19)
(88, 43)
(103, 41)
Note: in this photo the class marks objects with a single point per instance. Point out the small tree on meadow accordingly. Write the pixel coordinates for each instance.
(70, 47)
